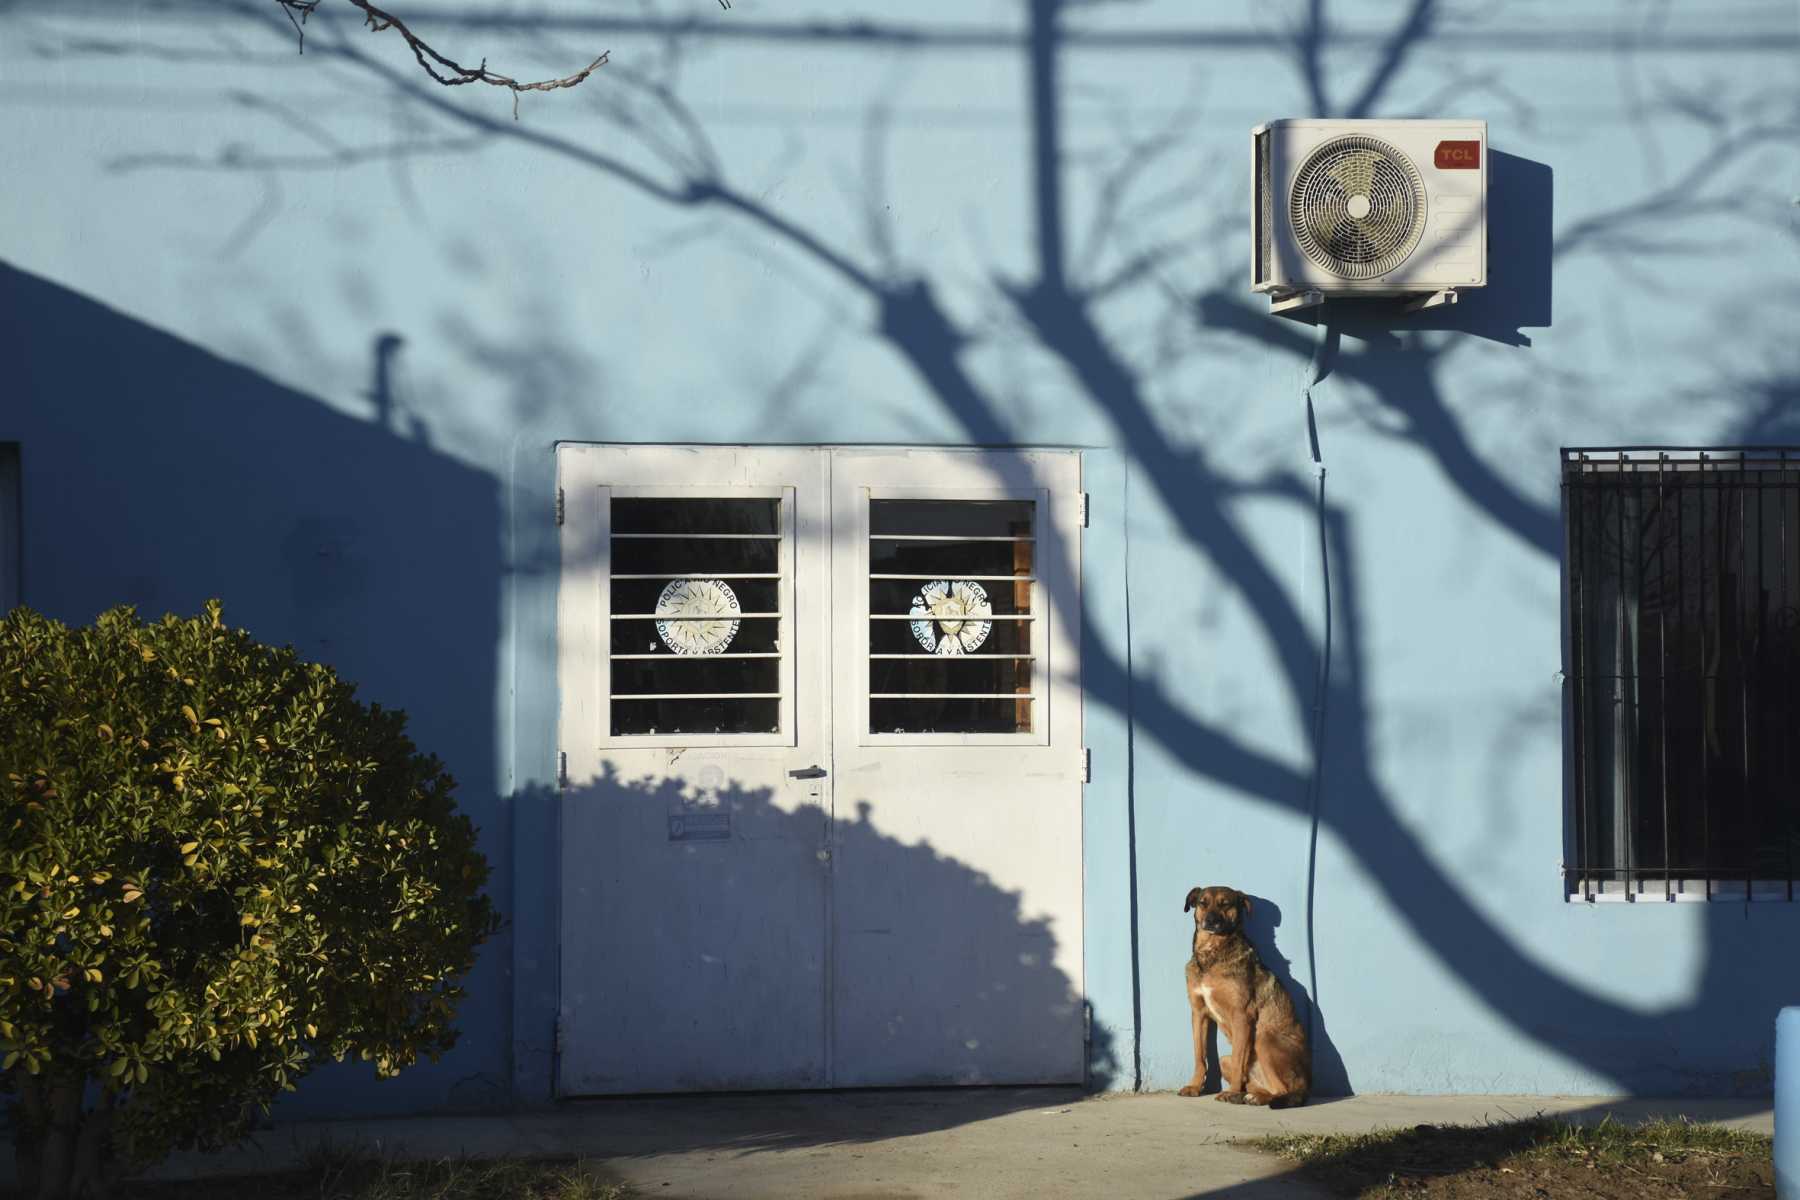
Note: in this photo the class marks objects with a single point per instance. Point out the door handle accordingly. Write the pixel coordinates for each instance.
(807, 773)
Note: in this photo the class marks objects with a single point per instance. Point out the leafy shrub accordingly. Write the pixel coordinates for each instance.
(216, 868)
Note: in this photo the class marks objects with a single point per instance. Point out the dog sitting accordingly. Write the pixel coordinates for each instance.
(1227, 983)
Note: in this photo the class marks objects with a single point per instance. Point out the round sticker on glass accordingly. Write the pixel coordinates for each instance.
(951, 616)
(705, 613)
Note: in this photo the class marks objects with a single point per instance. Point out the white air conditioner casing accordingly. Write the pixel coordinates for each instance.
(1368, 208)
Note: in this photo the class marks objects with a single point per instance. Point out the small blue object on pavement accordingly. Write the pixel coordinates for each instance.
(1787, 1104)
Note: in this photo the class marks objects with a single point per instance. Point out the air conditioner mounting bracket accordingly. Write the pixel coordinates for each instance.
(1431, 300)
(1294, 301)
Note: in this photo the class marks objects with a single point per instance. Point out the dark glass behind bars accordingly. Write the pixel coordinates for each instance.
(1684, 611)
(987, 690)
(685, 540)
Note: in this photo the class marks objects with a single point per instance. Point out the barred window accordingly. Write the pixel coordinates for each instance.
(1683, 592)
(951, 637)
(697, 592)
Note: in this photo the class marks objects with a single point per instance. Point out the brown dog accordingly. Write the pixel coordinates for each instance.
(1226, 982)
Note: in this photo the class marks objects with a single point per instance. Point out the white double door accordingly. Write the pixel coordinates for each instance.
(821, 823)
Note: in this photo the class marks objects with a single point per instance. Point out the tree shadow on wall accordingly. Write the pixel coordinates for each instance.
(698, 933)
(1064, 317)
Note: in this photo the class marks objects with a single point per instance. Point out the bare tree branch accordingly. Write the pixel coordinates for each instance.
(444, 70)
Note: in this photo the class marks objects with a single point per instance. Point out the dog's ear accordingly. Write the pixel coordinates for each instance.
(1244, 903)
(1193, 895)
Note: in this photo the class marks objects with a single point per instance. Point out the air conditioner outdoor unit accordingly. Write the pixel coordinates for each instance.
(1368, 208)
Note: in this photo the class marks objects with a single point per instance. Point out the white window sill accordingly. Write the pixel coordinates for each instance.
(1682, 891)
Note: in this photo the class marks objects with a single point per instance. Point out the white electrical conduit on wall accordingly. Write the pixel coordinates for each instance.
(1324, 350)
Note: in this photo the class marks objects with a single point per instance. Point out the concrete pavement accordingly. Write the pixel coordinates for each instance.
(1036, 1143)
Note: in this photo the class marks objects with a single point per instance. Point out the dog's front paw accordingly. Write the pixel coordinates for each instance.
(1230, 1097)
(1192, 1089)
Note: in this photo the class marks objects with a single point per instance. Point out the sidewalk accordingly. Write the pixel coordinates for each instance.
(1036, 1143)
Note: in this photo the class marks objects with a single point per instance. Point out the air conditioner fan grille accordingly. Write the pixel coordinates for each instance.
(1357, 207)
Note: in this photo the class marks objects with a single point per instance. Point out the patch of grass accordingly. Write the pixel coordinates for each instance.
(330, 1173)
(1610, 1140)
(1541, 1156)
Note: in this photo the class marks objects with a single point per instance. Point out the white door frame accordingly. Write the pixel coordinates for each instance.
(1023, 831)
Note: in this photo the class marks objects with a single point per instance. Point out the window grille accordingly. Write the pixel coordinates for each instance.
(697, 615)
(1683, 593)
(951, 616)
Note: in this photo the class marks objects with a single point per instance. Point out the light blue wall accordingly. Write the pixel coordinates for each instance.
(304, 330)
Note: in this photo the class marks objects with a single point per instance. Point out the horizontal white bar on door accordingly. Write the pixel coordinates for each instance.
(699, 575)
(696, 695)
(967, 619)
(949, 575)
(697, 537)
(706, 657)
(952, 696)
(697, 616)
(941, 537)
(916, 657)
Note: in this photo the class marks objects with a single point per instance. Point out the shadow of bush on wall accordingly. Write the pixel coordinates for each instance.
(682, 915)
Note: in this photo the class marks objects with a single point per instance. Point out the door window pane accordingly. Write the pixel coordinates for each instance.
(696, 616)
(952, 616)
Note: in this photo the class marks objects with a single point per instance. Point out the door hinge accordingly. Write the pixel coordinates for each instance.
(1087, 765)
(559, 506)
(1084, 510)
(556, 1037)
(562, 770)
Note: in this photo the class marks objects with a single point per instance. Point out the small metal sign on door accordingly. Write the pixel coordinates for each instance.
(700, 827)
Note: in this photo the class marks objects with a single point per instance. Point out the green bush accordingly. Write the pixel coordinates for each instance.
(216, 869)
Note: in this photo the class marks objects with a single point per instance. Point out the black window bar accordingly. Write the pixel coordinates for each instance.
(1684, 639)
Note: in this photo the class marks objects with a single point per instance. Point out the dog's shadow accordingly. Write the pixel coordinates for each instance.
(1329, 1078)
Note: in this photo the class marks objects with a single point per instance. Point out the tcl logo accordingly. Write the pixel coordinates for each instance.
(1457, 156)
